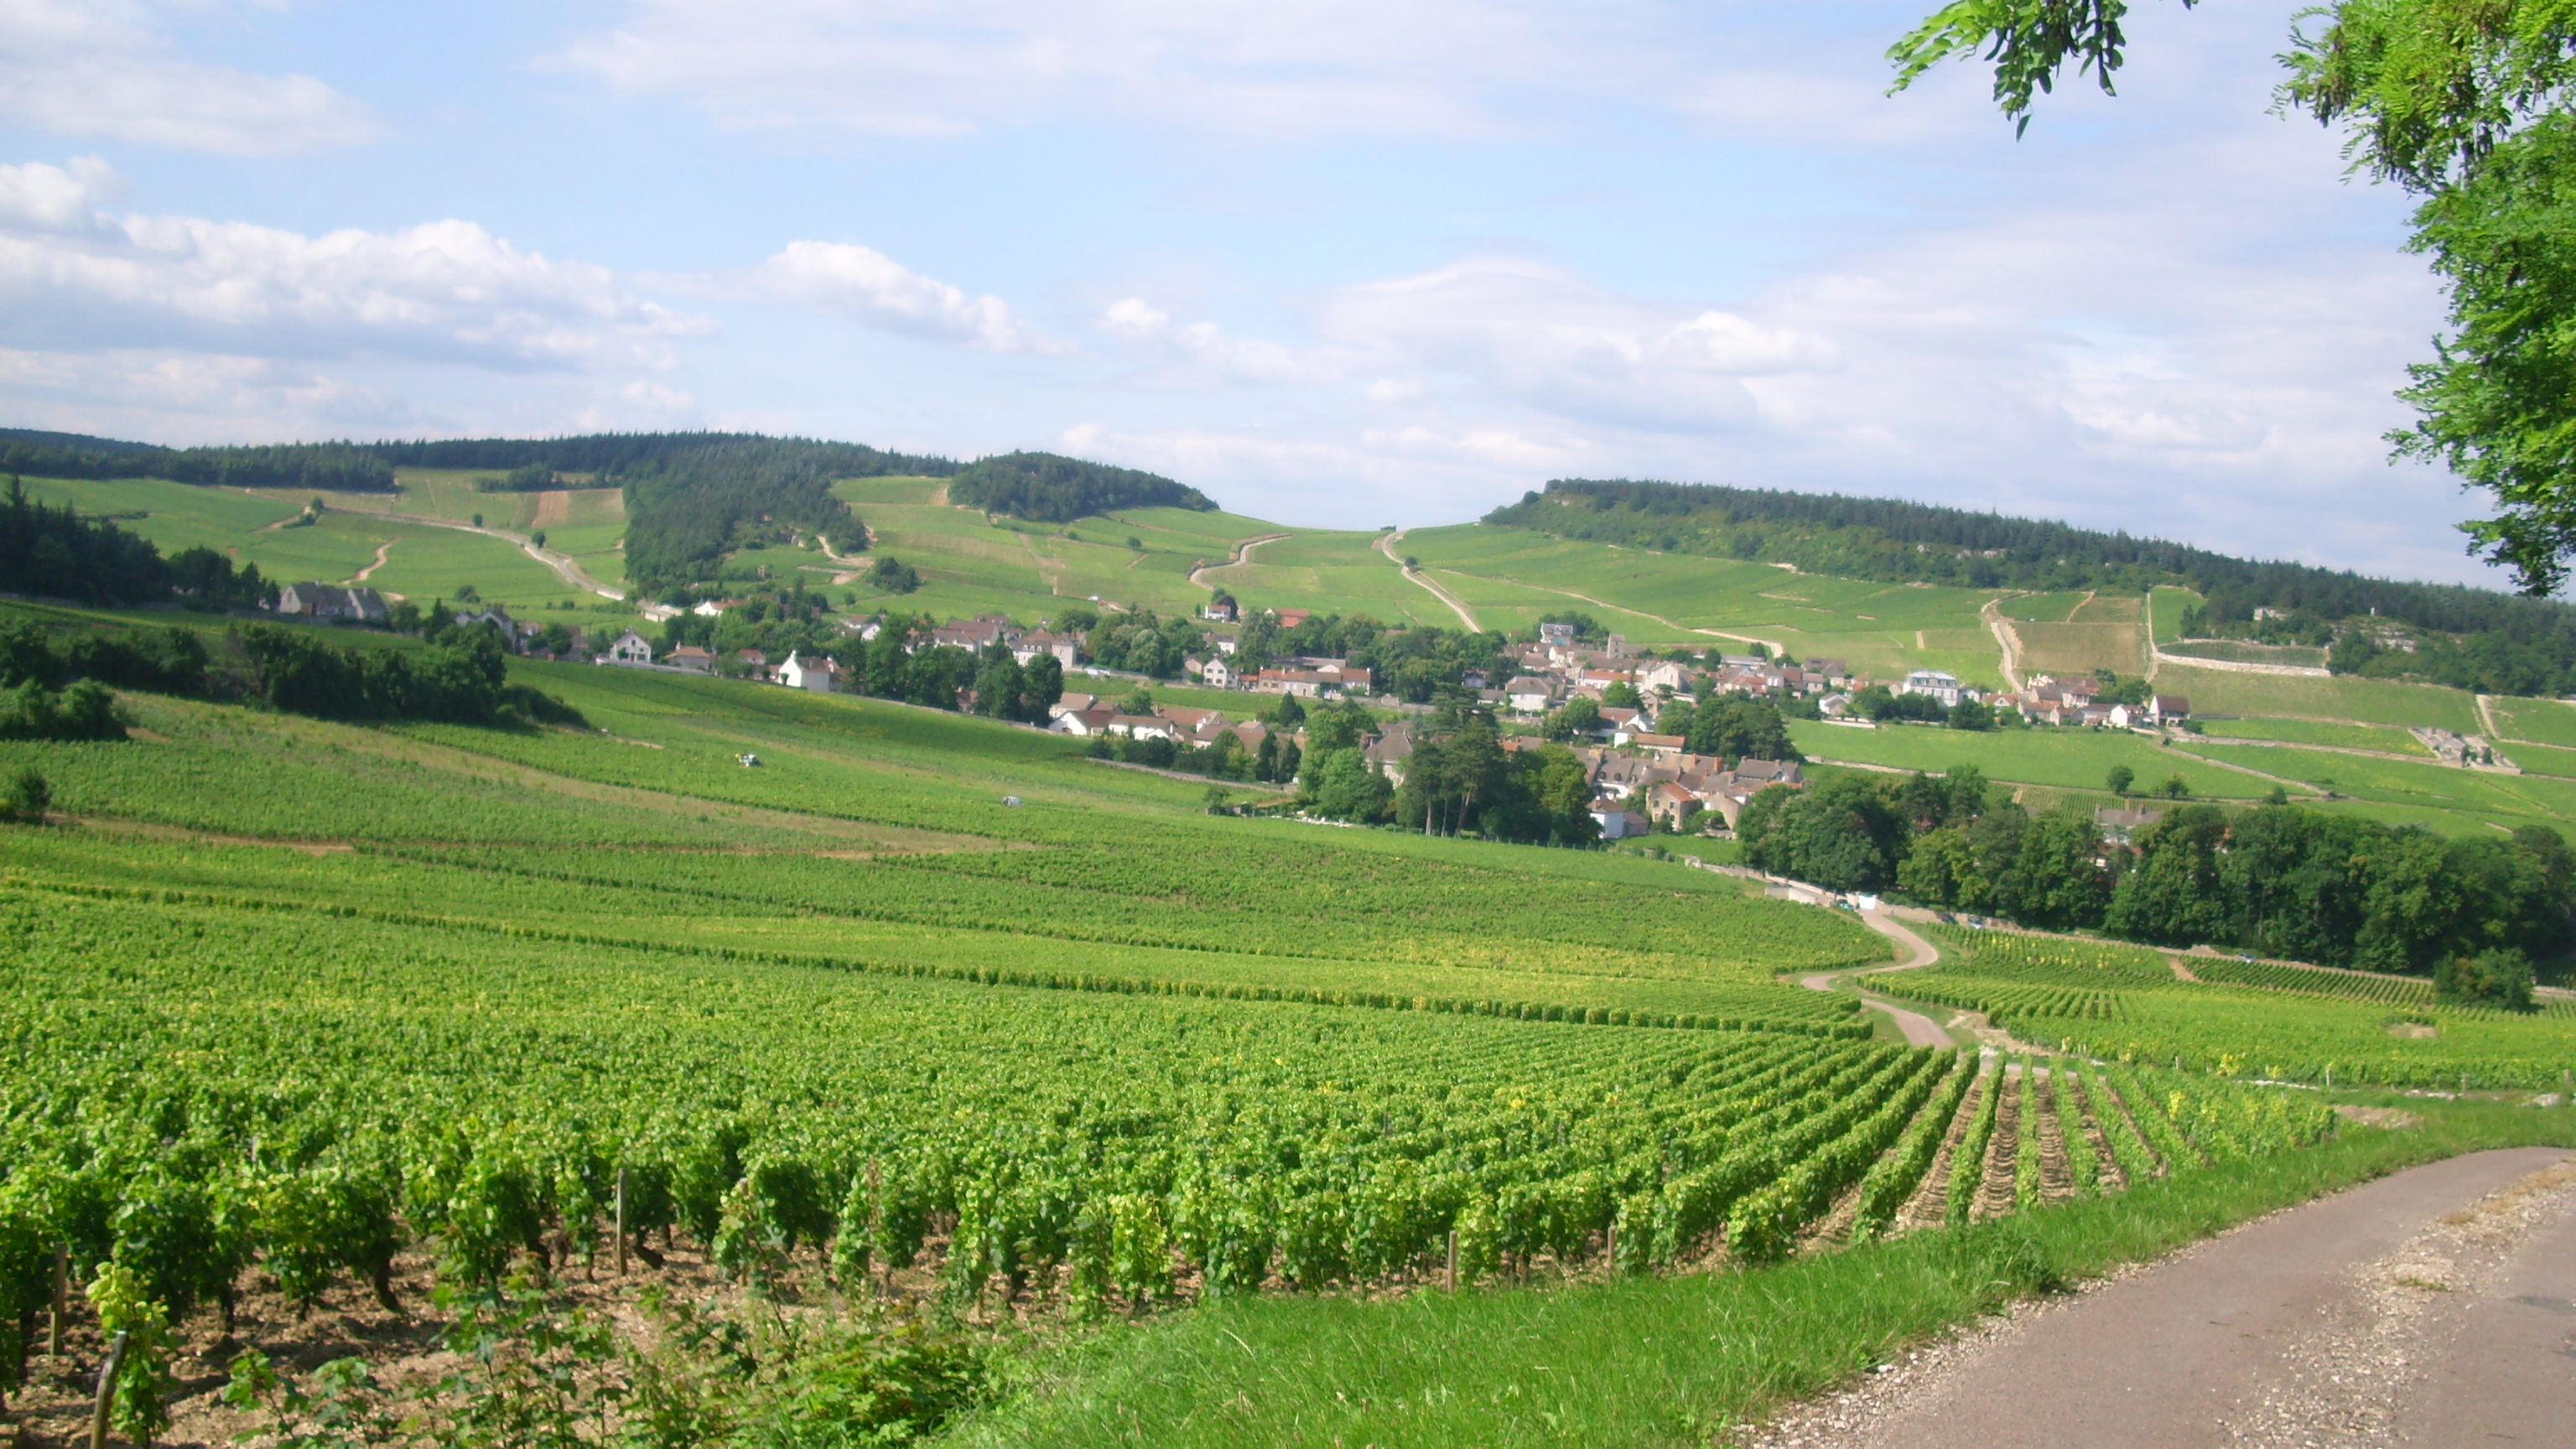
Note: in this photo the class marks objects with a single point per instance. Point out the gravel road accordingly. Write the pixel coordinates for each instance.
(2433, 1307)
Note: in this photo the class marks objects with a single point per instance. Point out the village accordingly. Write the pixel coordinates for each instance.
(1612, 706)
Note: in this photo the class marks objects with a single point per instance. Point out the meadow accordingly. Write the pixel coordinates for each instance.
(2077, 759)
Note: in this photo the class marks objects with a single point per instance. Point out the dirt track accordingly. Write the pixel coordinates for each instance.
(1919, 1030)
(2434, 1307)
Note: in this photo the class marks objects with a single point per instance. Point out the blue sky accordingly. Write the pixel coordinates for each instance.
(1336, 263)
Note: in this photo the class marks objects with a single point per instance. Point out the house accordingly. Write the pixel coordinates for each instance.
(1834, 706)
(1073, 704)
(1311, 683)
(513, 634)
(2121, 716)
(1291, 618)
(1250, 734)
(1941, 685)
(1667, 802)
(1082, 723)
(1528, 694)
(1660, 746)
(976, 634)
(1833, 671)
(2168, 709)
(330, 601)
(1731, 792)
(1761, 774)
(1665, 675)
(821, 676)
(1556, 633)
(1616, 821)
(693, 659)
(1221, 609)
(2118, 822)
(1063, 647)
(629, 648)
(1217, 673)
(1201, 725)
(1142, 727)
(1389, 751)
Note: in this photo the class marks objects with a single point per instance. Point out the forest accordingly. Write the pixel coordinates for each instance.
(1893, 541)
(328, 467)
(2279, 879)
(1049, 488)
(686, 509)
(54, 553)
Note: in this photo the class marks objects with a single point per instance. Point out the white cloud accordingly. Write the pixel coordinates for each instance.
(1206, 348)
(951, 67)
(38, 197)
(191, 398)
(97, 68)
(1541, 336)
(882, 292)
(74, 279)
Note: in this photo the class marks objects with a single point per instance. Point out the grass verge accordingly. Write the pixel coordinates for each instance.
(1649, 1361)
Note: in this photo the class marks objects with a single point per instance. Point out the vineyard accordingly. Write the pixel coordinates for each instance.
(2268, 1020)
(196, 1091)
(928, 1033)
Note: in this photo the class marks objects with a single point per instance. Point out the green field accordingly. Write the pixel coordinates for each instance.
(2320, 732)
(2217, 692)
(2067, 759)
(420, 562)
(2482, 795)
(2541, 721)
(2244, 651)
(2165, 607)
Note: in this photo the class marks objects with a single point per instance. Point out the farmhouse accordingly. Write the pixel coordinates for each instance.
(693, 659)
(629, 648)
(2168, 709)
(1528, 694)
(330, 601)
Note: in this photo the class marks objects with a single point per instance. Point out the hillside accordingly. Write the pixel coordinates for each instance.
(2267, 714)
(866, 1024)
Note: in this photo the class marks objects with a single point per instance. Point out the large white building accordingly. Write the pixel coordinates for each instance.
(1939, 684)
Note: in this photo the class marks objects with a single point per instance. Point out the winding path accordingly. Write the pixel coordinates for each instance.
(1386, 545)
(1919, 1030)
(1242, 554)
(2006, 639)
(2431, 1307)
(382, 549)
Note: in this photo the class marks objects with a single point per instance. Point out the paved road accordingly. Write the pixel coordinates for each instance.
(2434, 1307)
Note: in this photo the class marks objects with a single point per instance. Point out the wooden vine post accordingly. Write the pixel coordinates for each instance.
(62, 1301)
(621, 1222)
(107, 1374)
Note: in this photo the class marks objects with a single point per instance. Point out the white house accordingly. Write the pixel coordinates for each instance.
(822, 676)
(1527, 695)
(1217, 673)
(1617, 822)
(627, 648)
(2167, 709)
(1939, 684)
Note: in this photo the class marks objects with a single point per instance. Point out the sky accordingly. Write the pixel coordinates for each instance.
(1336, 263)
